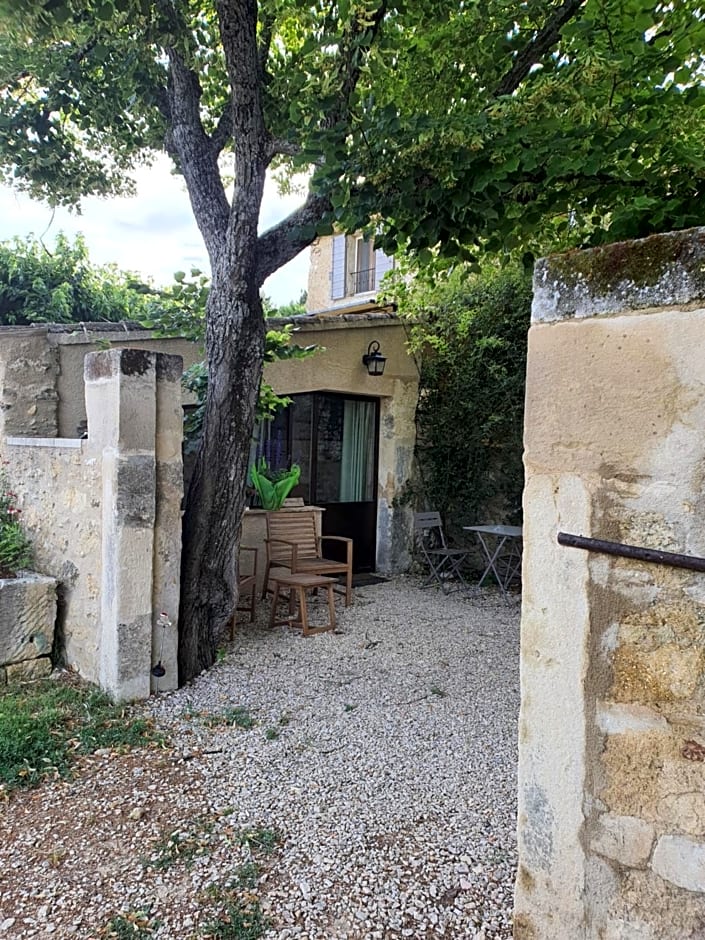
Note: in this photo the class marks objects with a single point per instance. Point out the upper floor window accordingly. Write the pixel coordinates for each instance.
(357, 267)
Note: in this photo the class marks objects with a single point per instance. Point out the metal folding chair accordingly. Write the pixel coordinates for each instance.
(444, 563)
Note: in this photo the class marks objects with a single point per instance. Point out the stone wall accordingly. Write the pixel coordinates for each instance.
(612, 729)
(104, 517)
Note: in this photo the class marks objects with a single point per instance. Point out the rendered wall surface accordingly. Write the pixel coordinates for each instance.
(612, 727)
(339, 368)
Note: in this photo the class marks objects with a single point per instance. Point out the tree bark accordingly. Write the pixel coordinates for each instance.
(215, 504)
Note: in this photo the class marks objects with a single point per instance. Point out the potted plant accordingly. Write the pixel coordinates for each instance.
(273, 486)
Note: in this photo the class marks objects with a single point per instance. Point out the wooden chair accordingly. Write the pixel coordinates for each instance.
(292, 543)
(246, 588)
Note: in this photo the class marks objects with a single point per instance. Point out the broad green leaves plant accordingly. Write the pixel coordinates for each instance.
(273, 487)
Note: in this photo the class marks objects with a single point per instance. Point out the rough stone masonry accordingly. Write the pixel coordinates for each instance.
(612, 729)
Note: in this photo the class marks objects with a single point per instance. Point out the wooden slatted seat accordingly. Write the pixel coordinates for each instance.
(292, 543)
(246, 587)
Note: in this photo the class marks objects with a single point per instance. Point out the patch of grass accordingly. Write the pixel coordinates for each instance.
(240, 919)
(132, 926)
(439, 692)
(271, 734)
(348, 707)
(44, 726)
(260, 839)
(179, 846)
(238, 715)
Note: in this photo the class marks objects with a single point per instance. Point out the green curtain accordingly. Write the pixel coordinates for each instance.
(357, 459)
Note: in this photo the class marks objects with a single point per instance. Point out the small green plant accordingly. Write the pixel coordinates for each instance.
(271, 734)
(240, 919)
(15, 546)
(46, 726)
(273, 486)
(435, 690)
(260, 839)
(179, 846)
(136, 925)
(239, 716)
(348, 707)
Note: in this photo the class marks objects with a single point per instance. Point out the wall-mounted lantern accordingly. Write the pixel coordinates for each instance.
(374, 360)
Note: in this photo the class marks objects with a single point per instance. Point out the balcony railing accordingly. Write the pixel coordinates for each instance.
(363, 281)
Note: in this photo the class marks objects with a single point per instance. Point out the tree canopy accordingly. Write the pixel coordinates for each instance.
(446, 127)
(450, 124)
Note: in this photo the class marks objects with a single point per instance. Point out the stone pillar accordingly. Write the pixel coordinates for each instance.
(612, 735)
(167, 531)
(122, 406)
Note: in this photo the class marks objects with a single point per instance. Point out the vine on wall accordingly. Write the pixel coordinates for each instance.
(469, 333)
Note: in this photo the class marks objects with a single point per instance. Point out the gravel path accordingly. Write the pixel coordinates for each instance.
(383, 758)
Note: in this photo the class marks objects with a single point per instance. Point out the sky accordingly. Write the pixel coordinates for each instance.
(152, 234)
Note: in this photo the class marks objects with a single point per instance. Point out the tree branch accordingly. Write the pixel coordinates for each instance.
(224, 129)
(198, 161)
(534, 50)
(284, 241)
(279, 146)
(350, 59)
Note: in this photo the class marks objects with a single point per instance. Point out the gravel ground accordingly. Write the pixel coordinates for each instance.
(374, 790)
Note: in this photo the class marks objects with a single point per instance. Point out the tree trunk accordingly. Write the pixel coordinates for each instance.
(215, 504)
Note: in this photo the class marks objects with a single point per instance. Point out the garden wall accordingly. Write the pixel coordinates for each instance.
(612, 729)
(104, 516)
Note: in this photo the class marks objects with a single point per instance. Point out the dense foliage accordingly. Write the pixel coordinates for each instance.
(469, 332)
(61, 285)
(15, 545)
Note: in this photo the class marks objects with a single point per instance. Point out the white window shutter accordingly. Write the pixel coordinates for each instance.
(383, 263)
(337, 274)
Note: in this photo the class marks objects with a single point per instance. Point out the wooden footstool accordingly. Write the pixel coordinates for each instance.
(297, 585)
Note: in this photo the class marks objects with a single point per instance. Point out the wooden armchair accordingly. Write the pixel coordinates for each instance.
(292, 543)
(246, 587)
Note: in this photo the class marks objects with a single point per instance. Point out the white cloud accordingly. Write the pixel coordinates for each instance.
(152, 233)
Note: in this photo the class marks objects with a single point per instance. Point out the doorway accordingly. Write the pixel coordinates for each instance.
(334, 439)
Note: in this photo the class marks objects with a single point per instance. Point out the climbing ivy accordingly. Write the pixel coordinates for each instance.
(468, 332)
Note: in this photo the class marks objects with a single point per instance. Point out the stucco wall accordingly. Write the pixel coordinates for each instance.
(320, 265)
(612, 733)
(339, 368)
(59, 486)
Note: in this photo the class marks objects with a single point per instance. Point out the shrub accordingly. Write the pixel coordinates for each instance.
(15, 546)
(470, 332)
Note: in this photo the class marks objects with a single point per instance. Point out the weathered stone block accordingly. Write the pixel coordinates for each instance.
(27, 617)
(681, 861)
(624, 839)
(29, 670)
(615, 718)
